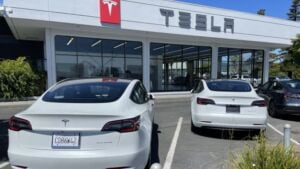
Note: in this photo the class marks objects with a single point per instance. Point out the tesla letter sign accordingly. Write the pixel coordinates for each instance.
(110, 11)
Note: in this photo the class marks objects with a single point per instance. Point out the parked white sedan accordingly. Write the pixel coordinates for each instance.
(227, 104)
(84, 124)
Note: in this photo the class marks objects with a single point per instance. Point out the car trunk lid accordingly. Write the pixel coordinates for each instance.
(84, 120)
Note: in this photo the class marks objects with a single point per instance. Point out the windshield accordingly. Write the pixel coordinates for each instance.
(294, 84)
(229, 86)
(86, 93)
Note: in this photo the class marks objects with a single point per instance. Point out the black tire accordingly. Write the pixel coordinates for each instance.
(149, 163)
(194, 129)
(272, 109)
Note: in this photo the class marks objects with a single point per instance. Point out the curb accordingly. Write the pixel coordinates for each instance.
(20, 103)
(171, 95)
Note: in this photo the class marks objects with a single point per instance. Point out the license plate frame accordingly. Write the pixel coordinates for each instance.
(66, 140)
(233, 109)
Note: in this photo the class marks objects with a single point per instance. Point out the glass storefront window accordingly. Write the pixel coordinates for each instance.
(177, 67)
(258, 68)
(66, 57)
(223, 64)
(235, 64)
(78, 57)
(241, 64)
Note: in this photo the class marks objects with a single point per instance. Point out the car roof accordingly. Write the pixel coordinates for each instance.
(226, 80)
(94, 80)
(283, 81)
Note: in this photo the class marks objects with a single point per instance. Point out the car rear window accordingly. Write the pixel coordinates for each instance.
(229, 86)
(102, 92)
(295, 84)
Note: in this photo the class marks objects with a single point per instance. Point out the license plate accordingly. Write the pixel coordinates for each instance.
(65, 140)
(233, 109)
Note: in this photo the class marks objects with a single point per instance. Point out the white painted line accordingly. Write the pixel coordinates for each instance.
(171, 153)
(279, 132)
(2, 165)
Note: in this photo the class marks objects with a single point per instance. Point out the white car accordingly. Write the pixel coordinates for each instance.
(229, 104)
(84, 124)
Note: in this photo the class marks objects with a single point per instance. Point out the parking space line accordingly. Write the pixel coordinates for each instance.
(2, 165)
(279, 132)
(171, 153)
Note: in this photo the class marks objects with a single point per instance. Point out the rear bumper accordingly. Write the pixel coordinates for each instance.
(288, 109)
(40, 159)
(132, 151)
(233, 121)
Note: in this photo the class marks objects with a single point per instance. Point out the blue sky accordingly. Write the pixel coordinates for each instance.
(275, 8)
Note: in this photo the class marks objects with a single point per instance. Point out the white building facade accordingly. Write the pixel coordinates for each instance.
(166, 44)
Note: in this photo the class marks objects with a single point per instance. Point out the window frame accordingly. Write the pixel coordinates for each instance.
(142, 99)
(199, 87)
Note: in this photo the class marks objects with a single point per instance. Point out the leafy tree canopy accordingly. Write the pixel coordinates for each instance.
(294, 12)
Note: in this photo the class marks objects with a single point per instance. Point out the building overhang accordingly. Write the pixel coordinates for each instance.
(147, 19)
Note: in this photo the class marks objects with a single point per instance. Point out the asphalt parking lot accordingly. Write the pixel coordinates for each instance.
(175, 146)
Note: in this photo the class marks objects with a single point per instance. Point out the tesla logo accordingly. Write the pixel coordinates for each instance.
(110, 5)
(65, 122)
(110, 11)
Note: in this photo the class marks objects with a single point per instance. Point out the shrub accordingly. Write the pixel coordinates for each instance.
(264, 156)
(17, 79)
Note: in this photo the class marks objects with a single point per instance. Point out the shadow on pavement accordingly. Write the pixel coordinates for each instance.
(3, 139)
(155, 145)
(287, 117)
(228, 134)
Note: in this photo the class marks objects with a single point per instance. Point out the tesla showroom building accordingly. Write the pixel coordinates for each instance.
(166, 44)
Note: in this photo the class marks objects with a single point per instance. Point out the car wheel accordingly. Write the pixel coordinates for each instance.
(272, 109)
(149, 163)
(194, 129)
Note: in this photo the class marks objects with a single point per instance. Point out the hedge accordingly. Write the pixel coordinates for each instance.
(17, 79)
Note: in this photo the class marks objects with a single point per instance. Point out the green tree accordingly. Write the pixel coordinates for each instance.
(294, 51)
(294, 13)
(17, 79)
(291, 63)
(261, 12)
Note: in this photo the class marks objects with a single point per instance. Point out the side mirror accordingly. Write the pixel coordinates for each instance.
(258, 89)
(151, 97)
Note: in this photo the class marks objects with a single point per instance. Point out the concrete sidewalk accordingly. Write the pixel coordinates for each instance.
(18, 103)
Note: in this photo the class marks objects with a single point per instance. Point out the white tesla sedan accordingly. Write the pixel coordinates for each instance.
(84, 124)
(231, 104)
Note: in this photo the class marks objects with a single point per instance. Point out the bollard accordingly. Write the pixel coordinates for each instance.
(156, 166)
(287, 136)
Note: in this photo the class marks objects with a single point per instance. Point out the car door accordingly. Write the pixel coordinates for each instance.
(276, 93)
(197, 89)
(193, 91)
(264, 91)
(140, 96)
(146, 98)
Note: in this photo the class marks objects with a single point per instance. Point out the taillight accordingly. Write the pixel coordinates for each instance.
(18, 124)
(123, 126)
(202, 101)
(260, 103)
